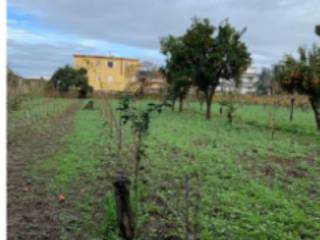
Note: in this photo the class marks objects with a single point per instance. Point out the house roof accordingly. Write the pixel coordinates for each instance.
(105, 57)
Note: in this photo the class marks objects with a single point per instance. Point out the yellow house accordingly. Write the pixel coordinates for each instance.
(107, 72)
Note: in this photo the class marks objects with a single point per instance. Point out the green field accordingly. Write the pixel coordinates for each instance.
(210, 179)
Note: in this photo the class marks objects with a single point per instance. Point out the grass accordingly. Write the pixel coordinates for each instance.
(242, 183)
(236, 203)
(78, 173)
(35, 114)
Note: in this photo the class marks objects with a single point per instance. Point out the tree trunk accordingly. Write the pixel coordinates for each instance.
(315, 104)
(208, 112)
(292, 101)
(141, 91)
(221, 110)
(124, 212)
(143, 82)
(180, 104)
(119, 139)
(186, 207)
(209, 103)
(230, 117)
(138, 154)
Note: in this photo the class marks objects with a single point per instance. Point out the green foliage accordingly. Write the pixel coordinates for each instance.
(12, 78)
(203, 56)
(302, 75)
(14, 98)
(175, 72)
(229, 102)
(139, 119)
(66, 77)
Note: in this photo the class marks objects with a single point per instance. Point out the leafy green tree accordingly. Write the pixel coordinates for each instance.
(66, 77)
(81, 82)
(215, 57)
(302, 75)
(178, 76)
(207, 54)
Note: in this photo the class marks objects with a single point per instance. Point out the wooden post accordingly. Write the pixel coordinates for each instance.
(124, 212)
(292, 100)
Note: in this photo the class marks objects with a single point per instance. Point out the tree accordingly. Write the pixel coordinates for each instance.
(302, 75)
(14, 92)
(177, 74)
(179, 89)
(12, 78)
(66, 77)
(264, 84)
(207, 54)
(213, 58)
(81, 82)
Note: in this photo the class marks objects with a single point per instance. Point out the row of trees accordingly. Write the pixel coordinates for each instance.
(203, 56)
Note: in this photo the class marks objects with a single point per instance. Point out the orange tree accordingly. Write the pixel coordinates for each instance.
(302, 75)
(205, 54)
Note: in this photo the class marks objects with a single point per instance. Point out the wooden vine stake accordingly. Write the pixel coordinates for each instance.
(124, 211)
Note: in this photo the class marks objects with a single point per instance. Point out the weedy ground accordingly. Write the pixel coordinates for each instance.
(205, 179)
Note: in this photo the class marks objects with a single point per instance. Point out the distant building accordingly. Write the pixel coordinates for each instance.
(247, 85)
(107, 72)
(154, 82)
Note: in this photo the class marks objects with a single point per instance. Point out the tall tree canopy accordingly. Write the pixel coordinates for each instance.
(206, 55)
(66, 77)
(302, 75)
(178, 76)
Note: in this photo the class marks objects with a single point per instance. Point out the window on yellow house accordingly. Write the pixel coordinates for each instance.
(109, 78)
(110, 64)
(97, 63)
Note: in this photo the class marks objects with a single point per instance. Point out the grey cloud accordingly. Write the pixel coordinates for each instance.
(33, 60)
(274, 27)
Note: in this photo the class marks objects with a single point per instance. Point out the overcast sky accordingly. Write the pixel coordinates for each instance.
(44, 34)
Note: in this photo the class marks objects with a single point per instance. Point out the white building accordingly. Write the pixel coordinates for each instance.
(246, 86)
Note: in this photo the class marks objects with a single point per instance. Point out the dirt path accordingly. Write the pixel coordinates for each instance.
(29, 213)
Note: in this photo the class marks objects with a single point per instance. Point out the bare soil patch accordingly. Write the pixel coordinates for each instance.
(29, 212)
